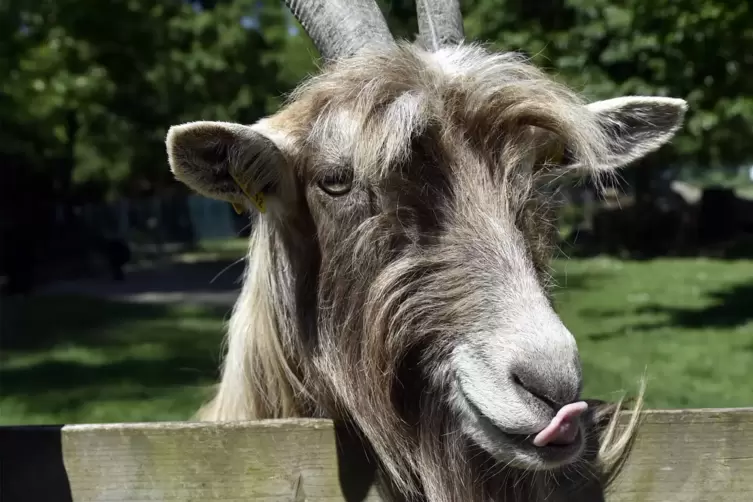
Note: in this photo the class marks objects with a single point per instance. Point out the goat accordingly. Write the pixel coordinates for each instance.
(397, 274)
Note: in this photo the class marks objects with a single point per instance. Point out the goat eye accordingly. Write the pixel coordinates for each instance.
(336, 184)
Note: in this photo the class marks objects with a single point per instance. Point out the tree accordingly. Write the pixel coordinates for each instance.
(108, 91)
(693, 49)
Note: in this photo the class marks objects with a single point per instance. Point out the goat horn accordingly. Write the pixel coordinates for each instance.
(339, 28)
(440, 23)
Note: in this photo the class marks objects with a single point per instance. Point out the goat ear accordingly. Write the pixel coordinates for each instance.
(636, 126)
(231, 162)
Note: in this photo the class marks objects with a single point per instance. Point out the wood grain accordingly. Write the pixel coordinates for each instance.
(683, 455)
(690, 455)
(290, 460)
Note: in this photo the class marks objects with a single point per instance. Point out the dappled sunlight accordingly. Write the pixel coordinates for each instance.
(686, 322)
(90, 360)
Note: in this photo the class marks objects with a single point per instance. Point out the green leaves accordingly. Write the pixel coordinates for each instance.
(127, 69)
(698, 50)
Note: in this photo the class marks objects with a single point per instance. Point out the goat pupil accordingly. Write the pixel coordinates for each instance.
(338, 183)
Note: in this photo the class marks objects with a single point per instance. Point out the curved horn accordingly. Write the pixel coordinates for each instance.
(440, 23)
(339, 28)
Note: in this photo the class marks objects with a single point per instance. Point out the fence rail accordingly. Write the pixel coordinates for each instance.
(679, 455)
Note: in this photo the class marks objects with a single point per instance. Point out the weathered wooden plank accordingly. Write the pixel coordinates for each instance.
(682, 455)
(290, 460)
(690, 455)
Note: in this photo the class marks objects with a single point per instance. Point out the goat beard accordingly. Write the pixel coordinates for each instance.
(418, 442)
(397, 399)
(384, 350)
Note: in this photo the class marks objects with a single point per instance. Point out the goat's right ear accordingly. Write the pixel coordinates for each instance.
(225, 161)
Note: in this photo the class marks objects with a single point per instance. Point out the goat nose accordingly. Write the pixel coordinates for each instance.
(553, 384)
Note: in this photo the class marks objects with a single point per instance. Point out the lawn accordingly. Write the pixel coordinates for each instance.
(79, 360)
(687, 323)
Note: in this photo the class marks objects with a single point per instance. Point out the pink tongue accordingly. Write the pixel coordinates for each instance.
(563, 429)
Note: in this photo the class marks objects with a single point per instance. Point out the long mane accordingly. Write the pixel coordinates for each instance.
(259, 380)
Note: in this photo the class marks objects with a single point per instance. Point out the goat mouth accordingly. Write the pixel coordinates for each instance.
(528, 452)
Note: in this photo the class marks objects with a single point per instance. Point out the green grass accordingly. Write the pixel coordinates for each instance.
(689, 323)
(77, 360)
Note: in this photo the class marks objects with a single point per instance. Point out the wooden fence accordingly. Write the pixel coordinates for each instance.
(683, 455)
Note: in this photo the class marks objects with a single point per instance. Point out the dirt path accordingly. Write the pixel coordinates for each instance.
(208, 283)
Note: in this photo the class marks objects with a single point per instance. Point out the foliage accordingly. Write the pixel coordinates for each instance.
(92, 86)
(692, 49)
(108, 91)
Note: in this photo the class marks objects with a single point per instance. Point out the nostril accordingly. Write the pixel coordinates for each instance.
(517, 381)
(533, 389)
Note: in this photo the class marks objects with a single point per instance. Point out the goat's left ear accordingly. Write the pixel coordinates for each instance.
(232, 162)
(637, 126)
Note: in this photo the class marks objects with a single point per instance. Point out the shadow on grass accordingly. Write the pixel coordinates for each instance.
(731, 307)
(212, 275)
(41, 322)
(68, 375)
(61, 354)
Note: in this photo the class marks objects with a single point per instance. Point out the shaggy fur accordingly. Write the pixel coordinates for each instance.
(359, 306)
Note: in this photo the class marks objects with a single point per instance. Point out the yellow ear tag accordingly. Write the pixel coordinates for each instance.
(257, 200)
